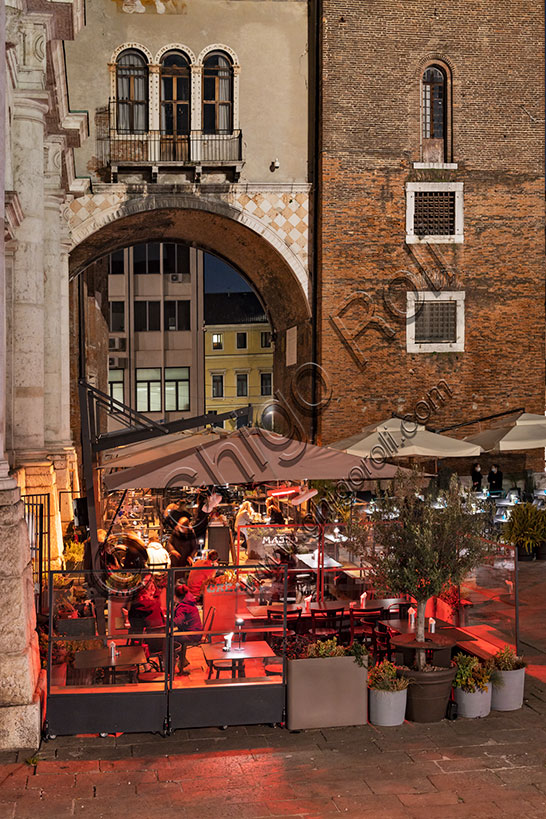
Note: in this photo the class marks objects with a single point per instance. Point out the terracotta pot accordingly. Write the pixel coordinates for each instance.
(326, 692)
(428, 694)
(387, 708)
(509, 695)
(473, 704)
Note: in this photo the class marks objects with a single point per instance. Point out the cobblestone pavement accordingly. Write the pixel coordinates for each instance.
(476, 769)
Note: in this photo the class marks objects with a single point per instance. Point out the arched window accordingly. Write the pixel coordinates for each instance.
(175, 106)
(434, 114)
(175, 94)
(132, 92)
(217, 94)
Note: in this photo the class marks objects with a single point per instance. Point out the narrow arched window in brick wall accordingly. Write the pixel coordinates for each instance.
(434, 114)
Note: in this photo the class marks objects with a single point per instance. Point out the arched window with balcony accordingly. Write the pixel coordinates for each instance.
(131, 92)
(434, 114)
(217, 94)
(175, 105)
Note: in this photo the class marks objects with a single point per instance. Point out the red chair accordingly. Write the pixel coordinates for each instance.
(362, 625)
(327, 623)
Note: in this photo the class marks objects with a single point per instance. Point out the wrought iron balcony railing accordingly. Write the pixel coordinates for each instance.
(117, 147)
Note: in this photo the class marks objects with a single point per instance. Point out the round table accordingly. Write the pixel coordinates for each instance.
(433, 642)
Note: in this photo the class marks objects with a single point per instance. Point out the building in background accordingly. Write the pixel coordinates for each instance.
(432, 213)
(155, 342)
(238, 354)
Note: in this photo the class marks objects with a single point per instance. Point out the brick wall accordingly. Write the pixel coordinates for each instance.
(374, 52)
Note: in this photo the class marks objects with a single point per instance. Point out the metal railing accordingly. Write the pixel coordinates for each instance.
(36, 514)
(116, 146)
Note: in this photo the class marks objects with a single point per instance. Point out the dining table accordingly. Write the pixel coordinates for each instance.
(125, 657)
(249, 650)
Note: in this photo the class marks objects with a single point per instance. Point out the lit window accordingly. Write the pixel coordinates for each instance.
(242, 384)
(266, 383)
(148, 389)
(241, 341)
(217, 341)
(435, 321)
(217, 386)
(177, 389)
(116, 386)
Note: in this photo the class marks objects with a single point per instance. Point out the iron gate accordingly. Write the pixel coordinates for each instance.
(36, 513)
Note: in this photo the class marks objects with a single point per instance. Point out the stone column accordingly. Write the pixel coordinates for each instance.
(20, 715)
(28, 282)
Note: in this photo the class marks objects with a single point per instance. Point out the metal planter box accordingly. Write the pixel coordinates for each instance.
(326, 692)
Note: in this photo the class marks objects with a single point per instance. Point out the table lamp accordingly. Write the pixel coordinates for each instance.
(239, 622)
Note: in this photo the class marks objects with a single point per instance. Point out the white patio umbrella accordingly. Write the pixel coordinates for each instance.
(527, 431)
(397, 438)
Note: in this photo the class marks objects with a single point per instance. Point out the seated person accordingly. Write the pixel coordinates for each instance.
(273, 512)
(186, 618)
(158, 556)
(200, 575)
(145, 615)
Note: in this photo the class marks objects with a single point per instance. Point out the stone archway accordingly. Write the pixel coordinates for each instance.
(277, 274)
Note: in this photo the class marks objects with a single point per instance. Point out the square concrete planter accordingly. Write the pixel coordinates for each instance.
(326, 692)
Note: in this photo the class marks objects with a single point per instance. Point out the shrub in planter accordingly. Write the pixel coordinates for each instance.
(326, 685)
(388, 694)
(509, 680)
(526, 529)
(472, 684)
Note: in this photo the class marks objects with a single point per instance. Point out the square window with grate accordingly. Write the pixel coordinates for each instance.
(436, 321)
(434, 213)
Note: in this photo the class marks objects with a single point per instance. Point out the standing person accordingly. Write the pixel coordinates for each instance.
(201, 520)
(182, 543)
(200, 574)
(273, 512)
(476, 475)
(245, 516)
(186, 618)
(494, 479)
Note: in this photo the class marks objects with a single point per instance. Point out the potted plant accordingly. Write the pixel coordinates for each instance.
(472, 684)
(418, 547)
(509, 680)
(326, 685)
(526, 529)
(388, 694)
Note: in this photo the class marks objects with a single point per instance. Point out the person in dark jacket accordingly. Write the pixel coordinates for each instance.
(182, 543)
(145, 615)
(186, 618)
(494, 479)
(274, 513)
(476, 475)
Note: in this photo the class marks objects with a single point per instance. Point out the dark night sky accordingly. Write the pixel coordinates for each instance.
(220, 277)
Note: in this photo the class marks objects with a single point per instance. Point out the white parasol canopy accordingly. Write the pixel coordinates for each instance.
(527, 431)
(399, 438)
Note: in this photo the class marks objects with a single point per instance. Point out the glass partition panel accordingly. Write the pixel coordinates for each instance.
(226, 627)
(489, 598)
(106, 631)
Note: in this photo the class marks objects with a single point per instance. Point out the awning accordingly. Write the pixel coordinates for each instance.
(404, 439)
(159, 447)
(527, 431)
(249, 456)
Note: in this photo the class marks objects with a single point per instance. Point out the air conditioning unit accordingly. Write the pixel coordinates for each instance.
(117, 343)
(116, 362)
(176, 277)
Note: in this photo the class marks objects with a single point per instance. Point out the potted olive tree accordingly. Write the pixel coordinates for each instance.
(388, 694)
(418, 548)
(472, 684)
(326, 684)
(509, 680)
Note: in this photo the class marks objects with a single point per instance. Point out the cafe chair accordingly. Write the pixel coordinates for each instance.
(362, 625)
(381, 645)
(326, 623)
(292, 617)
